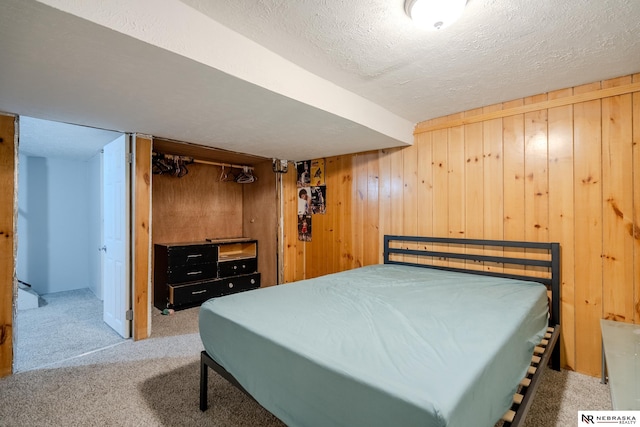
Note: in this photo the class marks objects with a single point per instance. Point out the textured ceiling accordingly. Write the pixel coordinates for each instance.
(498, 51)
(296, 79)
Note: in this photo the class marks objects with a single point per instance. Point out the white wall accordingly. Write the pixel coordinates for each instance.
(22, 272)
(32, 264)
(68, 223)
(95, 224)
(56, 224)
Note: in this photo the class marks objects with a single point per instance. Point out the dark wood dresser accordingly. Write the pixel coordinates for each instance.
(187, 274)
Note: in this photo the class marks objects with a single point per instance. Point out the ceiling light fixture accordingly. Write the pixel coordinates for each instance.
(434, 14)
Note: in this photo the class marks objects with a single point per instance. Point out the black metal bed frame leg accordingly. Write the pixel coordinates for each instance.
(204, 376)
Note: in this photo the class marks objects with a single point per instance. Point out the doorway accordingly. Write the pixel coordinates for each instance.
(59, 265)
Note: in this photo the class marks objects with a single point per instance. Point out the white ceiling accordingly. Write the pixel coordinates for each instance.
(296, 79)
(45, 138)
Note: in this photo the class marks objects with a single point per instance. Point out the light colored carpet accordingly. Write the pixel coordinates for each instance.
(155, 382)
(561, 395)
(66, 325)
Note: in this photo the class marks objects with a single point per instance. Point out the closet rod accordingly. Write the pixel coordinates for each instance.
(228, 165)
(206, 162)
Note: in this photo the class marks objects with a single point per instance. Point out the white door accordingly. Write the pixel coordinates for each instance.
(116, 277)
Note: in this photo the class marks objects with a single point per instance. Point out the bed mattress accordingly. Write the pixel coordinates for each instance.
(380, 345)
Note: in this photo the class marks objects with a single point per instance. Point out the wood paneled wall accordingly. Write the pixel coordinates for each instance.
(141, 227)
(196, 206)
(347, 236)
(260, 219)
(562, 166)
(8, 156)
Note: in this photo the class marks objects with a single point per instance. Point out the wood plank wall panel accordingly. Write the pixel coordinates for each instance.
(292, 247)
(493, 178)
(536, 182)
(371, 242)
(552, 167)
(8, 153)
(514, 177)
(636, 200)
(397, 191)
(384, 193)
(410, 195)
(344, 221)
(315, 259)
(536, 179)
(335, 196)
(367, 220)
(455, 189)
(360, 183)
(439, 148)
(617, 202)
(424, 198)
(561, 208)
(141, 237)
(260, 219)
(473, 186)
(587, 136)
(331, 224)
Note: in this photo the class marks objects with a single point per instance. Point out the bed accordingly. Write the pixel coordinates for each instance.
(447, 332)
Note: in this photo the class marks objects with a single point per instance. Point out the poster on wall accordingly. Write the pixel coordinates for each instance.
(304, 173)
(304, 228)
(312, 194)
(317, 172)
(304, 200)
(318, 199)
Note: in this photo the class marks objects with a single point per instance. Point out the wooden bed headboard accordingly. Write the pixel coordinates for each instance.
(532, 261)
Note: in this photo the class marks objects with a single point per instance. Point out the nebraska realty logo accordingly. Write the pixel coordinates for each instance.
(626, 418)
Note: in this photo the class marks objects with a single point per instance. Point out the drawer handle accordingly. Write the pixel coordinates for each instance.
(198, 292)
(194, 256)
(244, 266)
(253, 281)
(230, 285)
(235, 267)
(191, 273)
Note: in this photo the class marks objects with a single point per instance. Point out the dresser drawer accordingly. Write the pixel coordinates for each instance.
(194, 293)
(191, 254)
(191, 273)
(237, 267)
(241, 283)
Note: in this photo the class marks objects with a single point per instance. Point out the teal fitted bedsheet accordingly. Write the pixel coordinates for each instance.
(383, 345)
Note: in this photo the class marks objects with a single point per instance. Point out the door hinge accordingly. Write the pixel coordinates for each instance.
(130, 158)
(129, 315)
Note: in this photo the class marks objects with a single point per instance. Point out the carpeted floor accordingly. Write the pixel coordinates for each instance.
(155, 382)
(66, 325)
